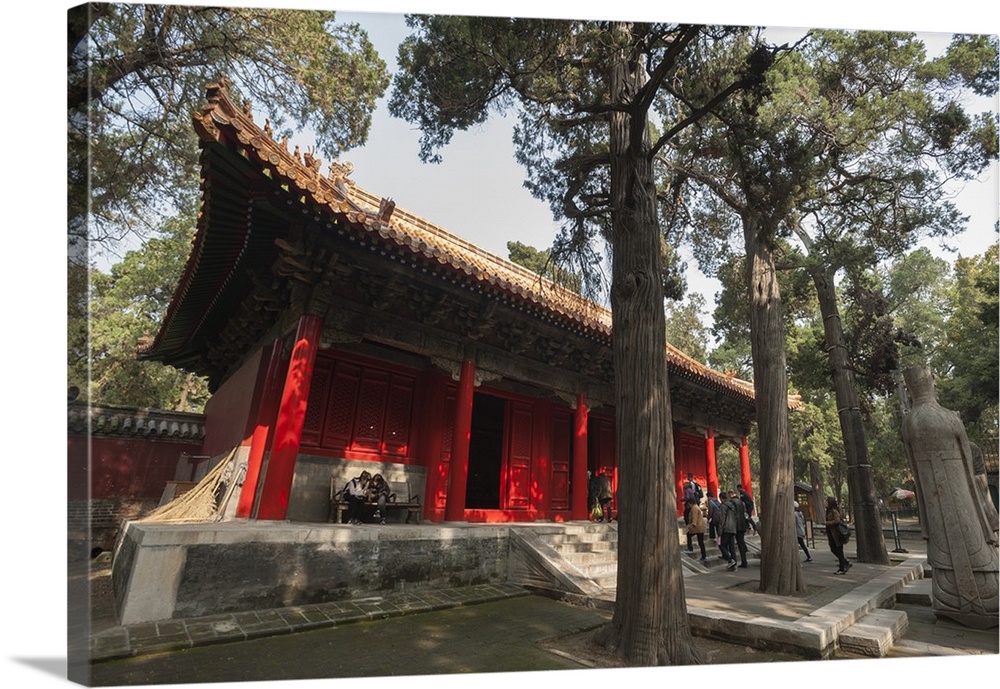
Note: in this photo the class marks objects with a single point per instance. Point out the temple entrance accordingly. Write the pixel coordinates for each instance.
(486, 448)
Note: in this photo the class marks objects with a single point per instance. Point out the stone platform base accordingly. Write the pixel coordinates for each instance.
(166, 571)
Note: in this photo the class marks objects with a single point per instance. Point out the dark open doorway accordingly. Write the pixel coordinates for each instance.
(485, 452)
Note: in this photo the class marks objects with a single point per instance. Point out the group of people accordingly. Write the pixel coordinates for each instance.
(726, 520)
(363, 489)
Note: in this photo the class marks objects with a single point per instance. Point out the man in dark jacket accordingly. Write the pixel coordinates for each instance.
(728, 543)
(741, 527)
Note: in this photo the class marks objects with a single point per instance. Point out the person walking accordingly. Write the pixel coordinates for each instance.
(697, 526)
(748, 506)
(741, 528)
(728, 543)
(714, 518)
(834, 537)
(800, 530)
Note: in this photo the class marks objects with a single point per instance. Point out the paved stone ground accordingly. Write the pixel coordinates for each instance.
(513, 634)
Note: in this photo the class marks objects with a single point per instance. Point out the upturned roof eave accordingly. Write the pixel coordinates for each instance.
(221, 121)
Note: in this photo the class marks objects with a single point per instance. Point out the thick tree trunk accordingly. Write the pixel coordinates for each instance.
(781, 571)
(860, 482)
(650, 625)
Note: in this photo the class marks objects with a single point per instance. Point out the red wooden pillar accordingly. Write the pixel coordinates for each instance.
(454, 510)
(745, 466)
(431, 410)
(267, 409)
(291, 416)
(713, 467)
(580, 415)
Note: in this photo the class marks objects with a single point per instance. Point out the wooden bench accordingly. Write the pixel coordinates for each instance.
(338, 505)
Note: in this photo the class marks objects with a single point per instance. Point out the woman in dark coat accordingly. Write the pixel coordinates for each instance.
(833, 536)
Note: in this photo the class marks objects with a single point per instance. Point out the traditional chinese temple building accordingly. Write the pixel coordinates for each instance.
(339, 332)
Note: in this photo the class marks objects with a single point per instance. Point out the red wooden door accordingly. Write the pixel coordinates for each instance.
(519, 444)
(562, 453)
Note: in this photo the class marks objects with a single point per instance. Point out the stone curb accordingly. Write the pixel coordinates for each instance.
(178, 634)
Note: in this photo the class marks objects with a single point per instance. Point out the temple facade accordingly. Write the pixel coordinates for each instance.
(339, 332)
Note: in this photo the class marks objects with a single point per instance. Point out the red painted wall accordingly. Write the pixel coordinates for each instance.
(123, 468)
(228, 412)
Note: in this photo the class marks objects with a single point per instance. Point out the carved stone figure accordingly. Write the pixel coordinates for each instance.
(961, 543)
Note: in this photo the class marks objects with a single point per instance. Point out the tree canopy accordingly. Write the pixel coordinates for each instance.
(137, 72)
(126, 305)
(840, 166)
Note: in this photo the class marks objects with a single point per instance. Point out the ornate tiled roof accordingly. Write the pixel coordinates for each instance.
(221, 120)
(134, 423)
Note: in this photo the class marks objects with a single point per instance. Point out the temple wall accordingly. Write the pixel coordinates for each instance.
(119, 460)
(167, 571)
(227, 414)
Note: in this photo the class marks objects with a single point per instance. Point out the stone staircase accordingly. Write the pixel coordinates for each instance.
(882, 631)
(579, 558)
(582, 558)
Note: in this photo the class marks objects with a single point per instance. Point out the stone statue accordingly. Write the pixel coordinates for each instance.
(961, 541)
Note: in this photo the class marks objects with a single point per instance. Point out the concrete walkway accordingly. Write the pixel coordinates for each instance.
(723, 605)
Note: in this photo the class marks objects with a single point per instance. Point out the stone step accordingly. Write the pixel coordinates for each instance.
(916, 592)
(608, 582)
(585, 547)
(598, 569)
(606, 536)
(875, 633)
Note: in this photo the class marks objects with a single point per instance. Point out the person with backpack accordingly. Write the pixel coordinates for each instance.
(692, 489)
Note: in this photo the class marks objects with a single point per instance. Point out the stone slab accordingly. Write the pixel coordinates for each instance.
(875, 634)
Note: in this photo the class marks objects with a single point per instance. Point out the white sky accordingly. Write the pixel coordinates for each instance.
(477, 191)
(34, 302)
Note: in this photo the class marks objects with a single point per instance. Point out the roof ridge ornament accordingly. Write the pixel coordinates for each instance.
(385, 208)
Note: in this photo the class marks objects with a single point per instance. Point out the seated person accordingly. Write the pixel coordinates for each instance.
(378, 492)
(355, 493)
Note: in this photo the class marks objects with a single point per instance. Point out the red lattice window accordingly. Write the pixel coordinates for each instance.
(312, 426)
(371, 411)
(343, 400)
(397, 415)
(359, 407)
